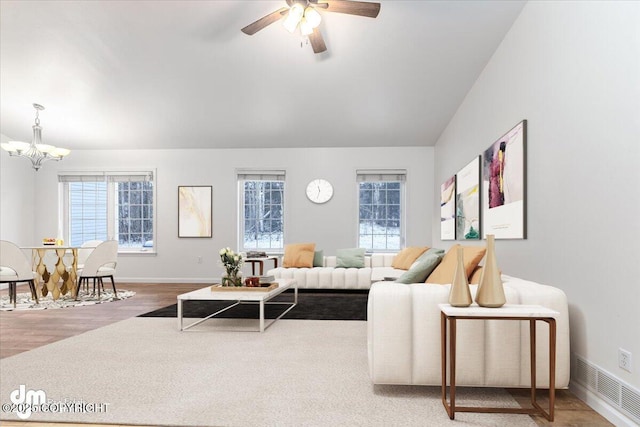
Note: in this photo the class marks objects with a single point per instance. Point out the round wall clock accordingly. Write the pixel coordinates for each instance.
(319, 191)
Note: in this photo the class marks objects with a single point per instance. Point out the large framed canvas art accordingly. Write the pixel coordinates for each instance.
(468, 201)
(448, 209)
(194, 211)
(504, 185)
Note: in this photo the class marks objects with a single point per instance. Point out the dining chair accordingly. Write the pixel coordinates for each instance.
(83, 253)
(100, 263)
(15, 268)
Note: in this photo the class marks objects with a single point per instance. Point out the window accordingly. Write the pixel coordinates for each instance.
(109, 205)
(261, 219)
(381, 209)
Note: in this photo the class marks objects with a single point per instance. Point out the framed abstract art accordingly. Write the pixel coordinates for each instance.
(194, 211)
(504, 185)
(448, 209)
(468, 201)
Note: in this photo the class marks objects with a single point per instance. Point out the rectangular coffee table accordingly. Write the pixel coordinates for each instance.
(240, 297)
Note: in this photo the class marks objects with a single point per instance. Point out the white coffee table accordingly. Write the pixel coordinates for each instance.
(240, 297)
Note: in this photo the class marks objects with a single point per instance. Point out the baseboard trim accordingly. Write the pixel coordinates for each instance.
(202, 280)
(600, 406)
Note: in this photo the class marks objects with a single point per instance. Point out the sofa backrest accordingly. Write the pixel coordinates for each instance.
(373, 260)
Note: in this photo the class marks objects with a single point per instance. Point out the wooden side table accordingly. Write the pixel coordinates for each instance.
(450, 315)
(260, 262)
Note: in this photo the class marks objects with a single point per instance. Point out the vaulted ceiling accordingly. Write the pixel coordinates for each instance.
(180, 74)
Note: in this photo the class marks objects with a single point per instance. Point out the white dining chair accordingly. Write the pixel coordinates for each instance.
(85, 250)
(100, 263)
(15, 268)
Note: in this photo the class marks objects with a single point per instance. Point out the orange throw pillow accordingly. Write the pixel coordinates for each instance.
(477, 274)
(298, 255)
(444, 271)
(407, 256)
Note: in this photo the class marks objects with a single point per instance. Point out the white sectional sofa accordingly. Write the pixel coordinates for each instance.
(404, 338)
(376, 268)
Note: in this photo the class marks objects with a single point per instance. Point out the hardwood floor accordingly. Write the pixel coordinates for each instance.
(22, 331)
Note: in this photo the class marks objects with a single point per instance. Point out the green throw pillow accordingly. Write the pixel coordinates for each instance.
(350, 258)
(318, 258)
(422, 267)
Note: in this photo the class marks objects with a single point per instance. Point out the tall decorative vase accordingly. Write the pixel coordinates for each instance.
(460, 296)
(490, 291)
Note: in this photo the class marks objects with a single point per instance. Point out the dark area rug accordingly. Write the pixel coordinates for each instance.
(317, 305)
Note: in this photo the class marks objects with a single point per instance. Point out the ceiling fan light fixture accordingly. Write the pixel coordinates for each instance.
(305, 27)
(312, 17)
(293, 17)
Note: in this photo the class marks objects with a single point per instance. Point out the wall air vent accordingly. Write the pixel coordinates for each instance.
(630, 401)
(586, 373)
(621, 395)
(609, 387)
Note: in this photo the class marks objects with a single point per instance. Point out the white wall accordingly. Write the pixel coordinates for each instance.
(331, 226)
(17, 199)
(572, 69)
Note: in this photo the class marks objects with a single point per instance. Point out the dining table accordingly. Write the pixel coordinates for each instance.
(59, 279)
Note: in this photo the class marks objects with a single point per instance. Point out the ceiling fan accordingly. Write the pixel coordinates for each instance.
(304, 13)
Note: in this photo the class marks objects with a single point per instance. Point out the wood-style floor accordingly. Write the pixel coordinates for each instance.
(22, 331)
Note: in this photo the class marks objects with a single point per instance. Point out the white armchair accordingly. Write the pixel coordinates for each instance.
(14, 268)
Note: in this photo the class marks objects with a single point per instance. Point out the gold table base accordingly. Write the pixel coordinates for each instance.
(62, 279)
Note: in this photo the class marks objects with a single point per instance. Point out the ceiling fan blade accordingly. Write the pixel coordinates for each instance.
(254, 27)
(359, 8)
(317, 42)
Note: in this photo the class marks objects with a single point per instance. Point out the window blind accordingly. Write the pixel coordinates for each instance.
(369, 175)
(260, 174)
(105, 176)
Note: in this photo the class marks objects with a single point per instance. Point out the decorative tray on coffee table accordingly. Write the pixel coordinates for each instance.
(217, 287)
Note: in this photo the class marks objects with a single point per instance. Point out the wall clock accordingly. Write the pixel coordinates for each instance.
(319, 191)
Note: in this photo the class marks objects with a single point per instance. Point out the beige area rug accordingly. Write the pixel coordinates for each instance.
(297, 373)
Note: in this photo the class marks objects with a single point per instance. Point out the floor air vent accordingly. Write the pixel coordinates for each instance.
(605, 385)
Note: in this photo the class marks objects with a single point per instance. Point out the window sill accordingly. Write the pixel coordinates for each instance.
(137, 253)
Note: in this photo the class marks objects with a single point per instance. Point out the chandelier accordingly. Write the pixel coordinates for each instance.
(36, 151)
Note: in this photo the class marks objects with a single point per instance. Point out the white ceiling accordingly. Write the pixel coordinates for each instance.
(180, 74)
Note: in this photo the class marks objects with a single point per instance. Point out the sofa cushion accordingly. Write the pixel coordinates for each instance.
(298, 255)
(318, 258)
(444, 271)
(407, 256)
(384, 273)
(350, 258)
(422, 268)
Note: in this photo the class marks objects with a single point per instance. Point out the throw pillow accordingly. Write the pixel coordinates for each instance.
(350, 258)
(422, 267)
(407, 256)
(298, 255)
(477, 274)
(318, 258)
(444, 272)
